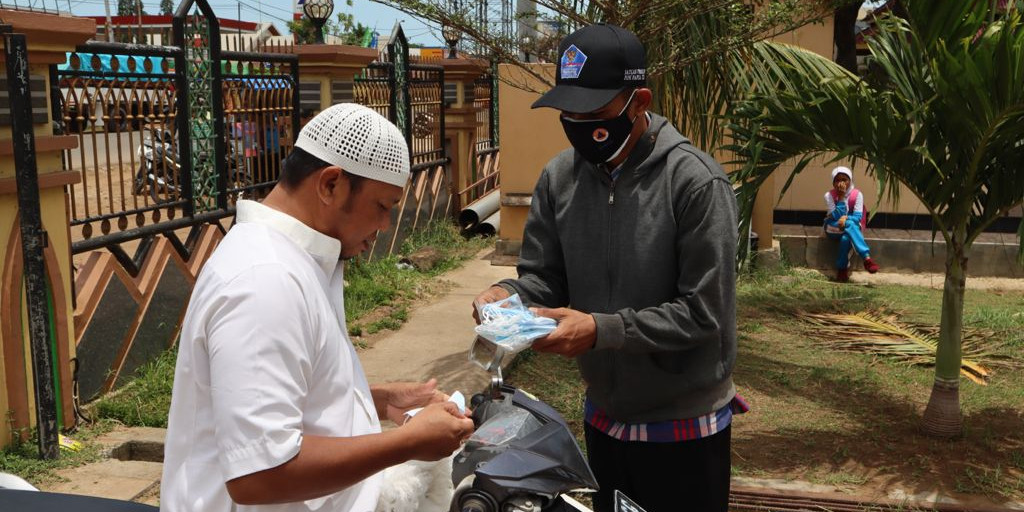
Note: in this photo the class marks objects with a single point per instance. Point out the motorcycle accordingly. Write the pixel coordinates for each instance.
(522, 457)
(160, 168)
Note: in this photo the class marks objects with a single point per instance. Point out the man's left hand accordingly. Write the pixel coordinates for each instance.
(576, 332)
(402, 396)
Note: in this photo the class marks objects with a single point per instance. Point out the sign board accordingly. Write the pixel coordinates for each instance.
(431, 53)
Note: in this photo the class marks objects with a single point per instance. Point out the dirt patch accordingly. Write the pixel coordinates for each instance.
(936, 281)
(850, 423)
(853, 422)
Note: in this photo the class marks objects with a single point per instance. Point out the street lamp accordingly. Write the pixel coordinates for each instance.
(526, 47)
(318, 11)
(451, 35)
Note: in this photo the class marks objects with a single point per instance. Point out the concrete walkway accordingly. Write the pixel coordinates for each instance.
(435, 340)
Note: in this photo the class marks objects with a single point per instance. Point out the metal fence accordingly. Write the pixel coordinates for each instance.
(169, 138)
(373, 87)
(117, 104)
(485, 99)
(411, 96)
(260, 105)
(485, 175)
(148, 146)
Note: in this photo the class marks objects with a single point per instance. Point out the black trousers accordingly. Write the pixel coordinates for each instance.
(688, 476)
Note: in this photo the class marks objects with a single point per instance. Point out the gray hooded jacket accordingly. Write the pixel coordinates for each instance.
(651, 257)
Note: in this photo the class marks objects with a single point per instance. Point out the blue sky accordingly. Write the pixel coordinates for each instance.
(276, 11)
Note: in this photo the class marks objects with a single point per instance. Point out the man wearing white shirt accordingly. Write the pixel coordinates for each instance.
(271, 409)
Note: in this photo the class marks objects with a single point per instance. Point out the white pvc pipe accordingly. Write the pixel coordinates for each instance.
(490, 225)
(480, 209)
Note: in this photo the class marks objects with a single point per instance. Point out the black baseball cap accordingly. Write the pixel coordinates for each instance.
(595, 63)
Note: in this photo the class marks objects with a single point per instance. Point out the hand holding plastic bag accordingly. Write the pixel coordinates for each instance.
(511, 326)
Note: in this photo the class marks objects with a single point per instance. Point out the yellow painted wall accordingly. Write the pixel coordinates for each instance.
(55, 222)
(807, 191)
(529, 138)
(7, 211)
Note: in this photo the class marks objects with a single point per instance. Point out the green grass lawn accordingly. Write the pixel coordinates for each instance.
(850, 420)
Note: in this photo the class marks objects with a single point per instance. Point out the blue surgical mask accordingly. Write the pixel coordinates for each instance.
(512, 326)
(600, 140)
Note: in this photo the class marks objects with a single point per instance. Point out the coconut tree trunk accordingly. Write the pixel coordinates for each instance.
(942, 416)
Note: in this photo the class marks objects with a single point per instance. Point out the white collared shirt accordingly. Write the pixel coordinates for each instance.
(264, 358)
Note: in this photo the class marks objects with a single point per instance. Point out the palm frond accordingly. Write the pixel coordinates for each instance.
(880, 332)
(942, 113)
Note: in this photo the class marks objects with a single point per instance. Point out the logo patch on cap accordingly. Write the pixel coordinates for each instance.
(572, 62)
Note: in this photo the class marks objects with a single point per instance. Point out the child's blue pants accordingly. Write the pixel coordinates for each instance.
(851, 236)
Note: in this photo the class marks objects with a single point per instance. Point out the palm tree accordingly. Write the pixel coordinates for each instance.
(689, 43)
(942, 114)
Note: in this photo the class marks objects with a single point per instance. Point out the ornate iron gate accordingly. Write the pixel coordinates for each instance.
(169, 138)
(412, 97)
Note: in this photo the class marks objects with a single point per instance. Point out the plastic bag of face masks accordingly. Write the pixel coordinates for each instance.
(508, 324)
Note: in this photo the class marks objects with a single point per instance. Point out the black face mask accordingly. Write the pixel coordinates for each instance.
(600, 140)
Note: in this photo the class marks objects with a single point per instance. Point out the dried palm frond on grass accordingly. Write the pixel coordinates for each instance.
(881, 332)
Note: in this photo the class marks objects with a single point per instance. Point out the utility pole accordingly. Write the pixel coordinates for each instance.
(139, 38)
(110, 33)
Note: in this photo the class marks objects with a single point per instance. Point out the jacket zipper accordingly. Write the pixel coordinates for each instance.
(608, 242)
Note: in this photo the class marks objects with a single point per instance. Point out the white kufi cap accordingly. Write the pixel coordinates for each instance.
(360, 141)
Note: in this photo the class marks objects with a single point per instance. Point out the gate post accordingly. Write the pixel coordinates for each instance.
(200, 106)
(48, 37)
(461, 123)
(327, 72)
(398, 52)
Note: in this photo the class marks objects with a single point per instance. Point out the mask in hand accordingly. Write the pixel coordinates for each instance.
(600, 140)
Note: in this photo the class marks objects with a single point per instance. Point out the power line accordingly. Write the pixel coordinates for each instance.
(233, 3)
(282, 9)
(250, 6)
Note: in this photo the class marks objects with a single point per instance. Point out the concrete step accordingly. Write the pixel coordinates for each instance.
(130, 473)
(125, 480)
(901, 251)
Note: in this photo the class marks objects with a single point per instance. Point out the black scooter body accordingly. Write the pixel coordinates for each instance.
(533, 465)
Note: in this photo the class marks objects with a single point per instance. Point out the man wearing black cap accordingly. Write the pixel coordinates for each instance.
(630, 241)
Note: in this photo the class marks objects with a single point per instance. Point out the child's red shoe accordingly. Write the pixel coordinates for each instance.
(843, 275)
(870, 265)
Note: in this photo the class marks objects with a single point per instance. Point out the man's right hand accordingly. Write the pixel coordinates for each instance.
(438, 430)
(492, 294)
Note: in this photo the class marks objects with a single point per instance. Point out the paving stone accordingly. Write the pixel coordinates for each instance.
(116, 479)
